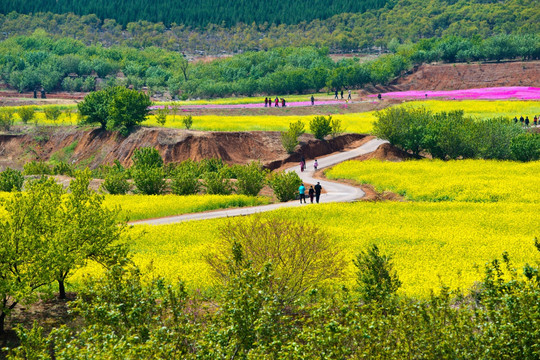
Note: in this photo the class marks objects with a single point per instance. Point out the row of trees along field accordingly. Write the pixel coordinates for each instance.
(199, 13)
(39, 60)
(404, 20)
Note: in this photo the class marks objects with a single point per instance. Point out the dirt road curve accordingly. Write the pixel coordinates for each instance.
(335, 192)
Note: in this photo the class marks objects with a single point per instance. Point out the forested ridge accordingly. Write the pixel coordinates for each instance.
(406, 20)
(198, 13)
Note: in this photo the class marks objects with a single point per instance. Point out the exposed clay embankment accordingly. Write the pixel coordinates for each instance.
(95, 147)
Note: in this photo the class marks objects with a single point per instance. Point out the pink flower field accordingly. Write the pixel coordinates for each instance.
(496, 93)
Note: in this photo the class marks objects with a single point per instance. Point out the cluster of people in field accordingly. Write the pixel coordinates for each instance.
(526, 122)
(268, 102)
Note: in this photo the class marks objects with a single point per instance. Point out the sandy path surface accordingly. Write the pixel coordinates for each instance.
(334, 191)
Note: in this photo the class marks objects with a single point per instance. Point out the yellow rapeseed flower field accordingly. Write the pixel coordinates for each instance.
(436, 180)
(432, 243)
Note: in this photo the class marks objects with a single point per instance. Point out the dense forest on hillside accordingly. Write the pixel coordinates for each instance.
(39, 60)
(198, 13)
(406, 21)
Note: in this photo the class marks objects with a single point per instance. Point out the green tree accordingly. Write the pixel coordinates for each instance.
(250, 178)
(187, 121)
(11, 180)
(321, 126)
(25, 235)
(52, 113)
(218, 182)
(161, 115)
(375, 277)
(26, 113)
(147, 157)
(185, 178)
(525, 147)
(95, 108)
(6, 119)
(285, 185)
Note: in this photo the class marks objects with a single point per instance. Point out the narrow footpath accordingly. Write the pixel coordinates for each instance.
(334, 191)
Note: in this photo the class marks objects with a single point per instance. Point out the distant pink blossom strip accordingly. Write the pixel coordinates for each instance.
(255, 105)
(494, 93)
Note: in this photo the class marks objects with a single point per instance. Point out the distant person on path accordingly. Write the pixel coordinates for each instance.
(276, 102)
(349, 97)
(379, 96)
(535, 120)
(342, 94)
(521, 120)
(302, 191)
(318, 189)
(302, 165)
(265, 102)
(527, 121)
(515, 120)
(312, 100)
(336, 97)
(283, 102)
(315, 164)
(311, 194)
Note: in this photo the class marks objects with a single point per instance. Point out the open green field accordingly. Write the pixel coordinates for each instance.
(353, 122)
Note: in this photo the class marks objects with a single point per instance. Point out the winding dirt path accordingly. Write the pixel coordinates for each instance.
(334, 191)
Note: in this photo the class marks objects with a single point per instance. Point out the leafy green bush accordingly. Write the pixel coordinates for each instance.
(149, 180)
(26, 113)
(289, 139)
(285, 185)
(6, 119)
(250, 178)
(62, 168)
(218, 182)
(52, 113)
(11, 180)
(36, 168)
(185, 178)
(526, 147)
(375, 277)
(321, 126)
(187, 121)
(337, 127)
(161, 115)
(116, 183)
(147, 157)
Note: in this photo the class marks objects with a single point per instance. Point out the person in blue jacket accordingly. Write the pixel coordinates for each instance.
(302, 191)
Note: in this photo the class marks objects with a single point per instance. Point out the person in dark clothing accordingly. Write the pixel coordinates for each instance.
(43, 96)
(527, 121)
(342, 94)
(535, 120)
(515, 120)
(379, 96)
(283, 102)
(521, 120)
(265, 102)
(312, 100)
(311, 194)
(318, 189)
(336, 97)
(35, 94)
(349, 97)
(276, 102)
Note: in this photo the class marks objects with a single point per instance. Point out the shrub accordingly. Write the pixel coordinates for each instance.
(289, 139)
(218, 182)
(302, 257)
(185, 178)
(62, 168)
(285, 185)
(116, 183)
(320, 126)
(149, 180)
(161, 115)
(36, 168)
(11, 180)
(250, 178)
(337, 127)
(187, 121)
(6, 119)
(26, 113)
(375, 278)
(52, 113)
(211, 165)
(526, 147)
(147, 157)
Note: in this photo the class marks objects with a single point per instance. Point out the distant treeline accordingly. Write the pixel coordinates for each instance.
(198, 13)
(30, 62)
(401, 20)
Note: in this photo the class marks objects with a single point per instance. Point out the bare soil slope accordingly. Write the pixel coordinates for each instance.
(95, 147)
(469, 76)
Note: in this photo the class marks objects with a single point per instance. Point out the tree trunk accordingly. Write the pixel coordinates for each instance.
(2, 322)
(61, 289)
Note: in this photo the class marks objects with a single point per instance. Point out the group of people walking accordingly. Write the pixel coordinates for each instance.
(268, 102)
(303, 164)
(525, 121)
(314, 192)
(337, 97)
